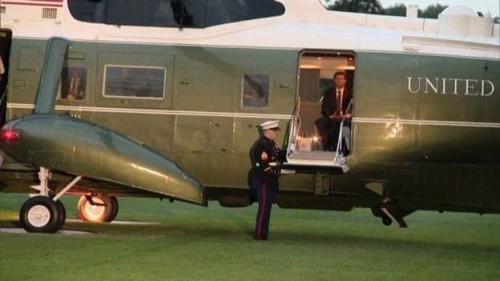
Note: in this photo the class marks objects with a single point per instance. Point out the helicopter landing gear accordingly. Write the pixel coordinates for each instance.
(44, 212)
(97, 208)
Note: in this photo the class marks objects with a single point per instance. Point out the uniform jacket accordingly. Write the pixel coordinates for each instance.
(265, 153)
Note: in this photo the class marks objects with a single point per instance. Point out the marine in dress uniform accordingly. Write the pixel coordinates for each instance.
(266, 172)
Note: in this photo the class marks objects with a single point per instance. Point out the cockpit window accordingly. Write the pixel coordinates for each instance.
(173, 13)
(327, 3)
(226, 11)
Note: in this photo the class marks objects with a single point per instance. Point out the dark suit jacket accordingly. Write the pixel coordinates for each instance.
(329, 102)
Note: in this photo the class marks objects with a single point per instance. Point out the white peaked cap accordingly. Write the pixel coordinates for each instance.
(271, 124)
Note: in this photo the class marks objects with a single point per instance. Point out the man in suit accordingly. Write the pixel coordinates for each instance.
(73, 83)
(335, 108)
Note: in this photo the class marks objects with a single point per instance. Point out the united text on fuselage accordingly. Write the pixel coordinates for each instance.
(450, 86)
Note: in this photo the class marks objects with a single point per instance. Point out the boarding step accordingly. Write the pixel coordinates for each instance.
(313, 155)
(316, 160)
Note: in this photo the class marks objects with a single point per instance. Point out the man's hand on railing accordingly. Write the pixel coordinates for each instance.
(337, 117)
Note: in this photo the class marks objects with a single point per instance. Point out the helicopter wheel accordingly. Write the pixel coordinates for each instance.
(97, 209)
(42, 214)
(386, 220)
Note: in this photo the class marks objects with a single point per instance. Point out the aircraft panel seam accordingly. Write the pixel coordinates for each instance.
(158, 111)
(357, 120)
(426, 122)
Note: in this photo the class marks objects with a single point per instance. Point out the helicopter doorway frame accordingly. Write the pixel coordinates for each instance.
(317, 73)
(5, 46)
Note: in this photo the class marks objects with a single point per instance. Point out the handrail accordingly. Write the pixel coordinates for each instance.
(339, 141)
(293, 129)
(3, 107)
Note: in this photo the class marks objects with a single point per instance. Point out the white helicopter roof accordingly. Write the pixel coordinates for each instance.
(306, 24)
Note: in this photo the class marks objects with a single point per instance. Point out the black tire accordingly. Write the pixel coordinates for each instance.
(98, 212)
(61, 219)
(386, 220)
(40, 214)
(114, 209)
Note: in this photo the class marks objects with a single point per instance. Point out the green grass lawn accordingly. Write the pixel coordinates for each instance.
(215, 243)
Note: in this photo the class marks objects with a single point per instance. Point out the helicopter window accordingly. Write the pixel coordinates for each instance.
(227, 11)
(73, 82)
(173, 13)
(255, 90)
(134, 81)
(137, 13)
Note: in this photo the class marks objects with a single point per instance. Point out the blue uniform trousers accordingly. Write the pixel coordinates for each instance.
(266, 190)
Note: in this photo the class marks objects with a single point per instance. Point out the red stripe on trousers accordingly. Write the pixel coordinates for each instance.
(261, 215)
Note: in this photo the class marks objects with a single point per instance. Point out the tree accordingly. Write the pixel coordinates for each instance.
(396, 10)
(432, 11)
(358, 6)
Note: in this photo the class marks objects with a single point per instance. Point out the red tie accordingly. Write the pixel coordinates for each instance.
(339, 102)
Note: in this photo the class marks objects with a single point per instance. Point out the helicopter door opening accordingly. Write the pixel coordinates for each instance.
(5, 42)
(320, 130)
